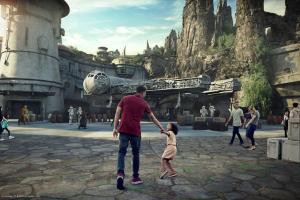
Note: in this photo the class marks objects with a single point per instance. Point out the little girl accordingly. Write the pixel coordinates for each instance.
(4, 124)
(169, 152)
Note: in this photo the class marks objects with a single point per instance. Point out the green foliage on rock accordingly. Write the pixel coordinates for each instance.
(256, 87)
(226, 41)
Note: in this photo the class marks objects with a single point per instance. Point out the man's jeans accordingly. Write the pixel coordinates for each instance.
(236, 131)
(135, 142)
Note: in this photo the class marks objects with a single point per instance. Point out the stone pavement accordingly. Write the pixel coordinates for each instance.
(59, 167)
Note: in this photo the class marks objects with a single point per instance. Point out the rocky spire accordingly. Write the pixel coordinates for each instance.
(197, 30)
(224, 21)
(171, 43)
(148, 49)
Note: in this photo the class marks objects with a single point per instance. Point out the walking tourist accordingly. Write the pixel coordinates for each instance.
(285, 122)
(252, 125)
(236, 115)
(169, 152)
(82, 120)
(132, 108)
(4, 126)
(24, 115)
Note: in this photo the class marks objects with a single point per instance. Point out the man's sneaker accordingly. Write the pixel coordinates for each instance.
(163, 174)
(11, 137)
(2, 139)
(172, 175)
(120, 182)
(136, 181)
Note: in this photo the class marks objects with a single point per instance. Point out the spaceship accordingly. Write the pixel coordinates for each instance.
(97, 83)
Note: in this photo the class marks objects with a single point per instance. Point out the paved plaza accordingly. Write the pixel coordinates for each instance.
(57, 161)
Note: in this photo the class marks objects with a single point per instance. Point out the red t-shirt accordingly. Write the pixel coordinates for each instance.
(133, 109)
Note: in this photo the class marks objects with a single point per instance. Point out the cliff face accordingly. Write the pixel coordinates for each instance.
(201, 28)
(197, 32)
(249, 27)
(171, 44)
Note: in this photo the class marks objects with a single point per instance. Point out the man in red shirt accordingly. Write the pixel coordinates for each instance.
(133, 108)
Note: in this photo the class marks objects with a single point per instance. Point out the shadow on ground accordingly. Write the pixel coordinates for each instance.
(54, 167)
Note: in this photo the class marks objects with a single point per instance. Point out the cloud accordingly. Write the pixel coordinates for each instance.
(128, 30)
(176, 14)
(85, 5)
(117, 37)
(275, 6)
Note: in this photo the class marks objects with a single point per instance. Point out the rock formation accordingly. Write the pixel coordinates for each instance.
(250, 27)
(292, 17)
(155, 65)
(223, 22)
(196, 35)
(171, 44)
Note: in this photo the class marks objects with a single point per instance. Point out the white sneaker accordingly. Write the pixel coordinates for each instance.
(2, 139)
(11, 137)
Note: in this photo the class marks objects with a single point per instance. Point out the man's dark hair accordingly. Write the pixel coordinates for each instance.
(295, 105)
(174, 128)
(141, 89)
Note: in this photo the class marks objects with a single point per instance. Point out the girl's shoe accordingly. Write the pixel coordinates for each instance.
(11, 137)
(172, 175)
(2, 139)
(163, 174)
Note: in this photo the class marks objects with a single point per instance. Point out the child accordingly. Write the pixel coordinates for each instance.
(169, 152)
(4, 124)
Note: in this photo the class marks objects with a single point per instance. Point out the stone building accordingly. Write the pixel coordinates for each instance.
(29, 67)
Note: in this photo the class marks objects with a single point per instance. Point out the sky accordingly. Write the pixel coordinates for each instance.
(119, 23)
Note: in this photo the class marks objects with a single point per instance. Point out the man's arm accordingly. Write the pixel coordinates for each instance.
(116, 121)
(228, 120)
(155, 121)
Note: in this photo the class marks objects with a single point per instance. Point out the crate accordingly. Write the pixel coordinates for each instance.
(274, 147)
(291, 151)
(185, 120)
(218, 124)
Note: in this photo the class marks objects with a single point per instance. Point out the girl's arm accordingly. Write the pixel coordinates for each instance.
(251, 120)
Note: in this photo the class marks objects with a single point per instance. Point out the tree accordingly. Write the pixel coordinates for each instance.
(256, 87)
